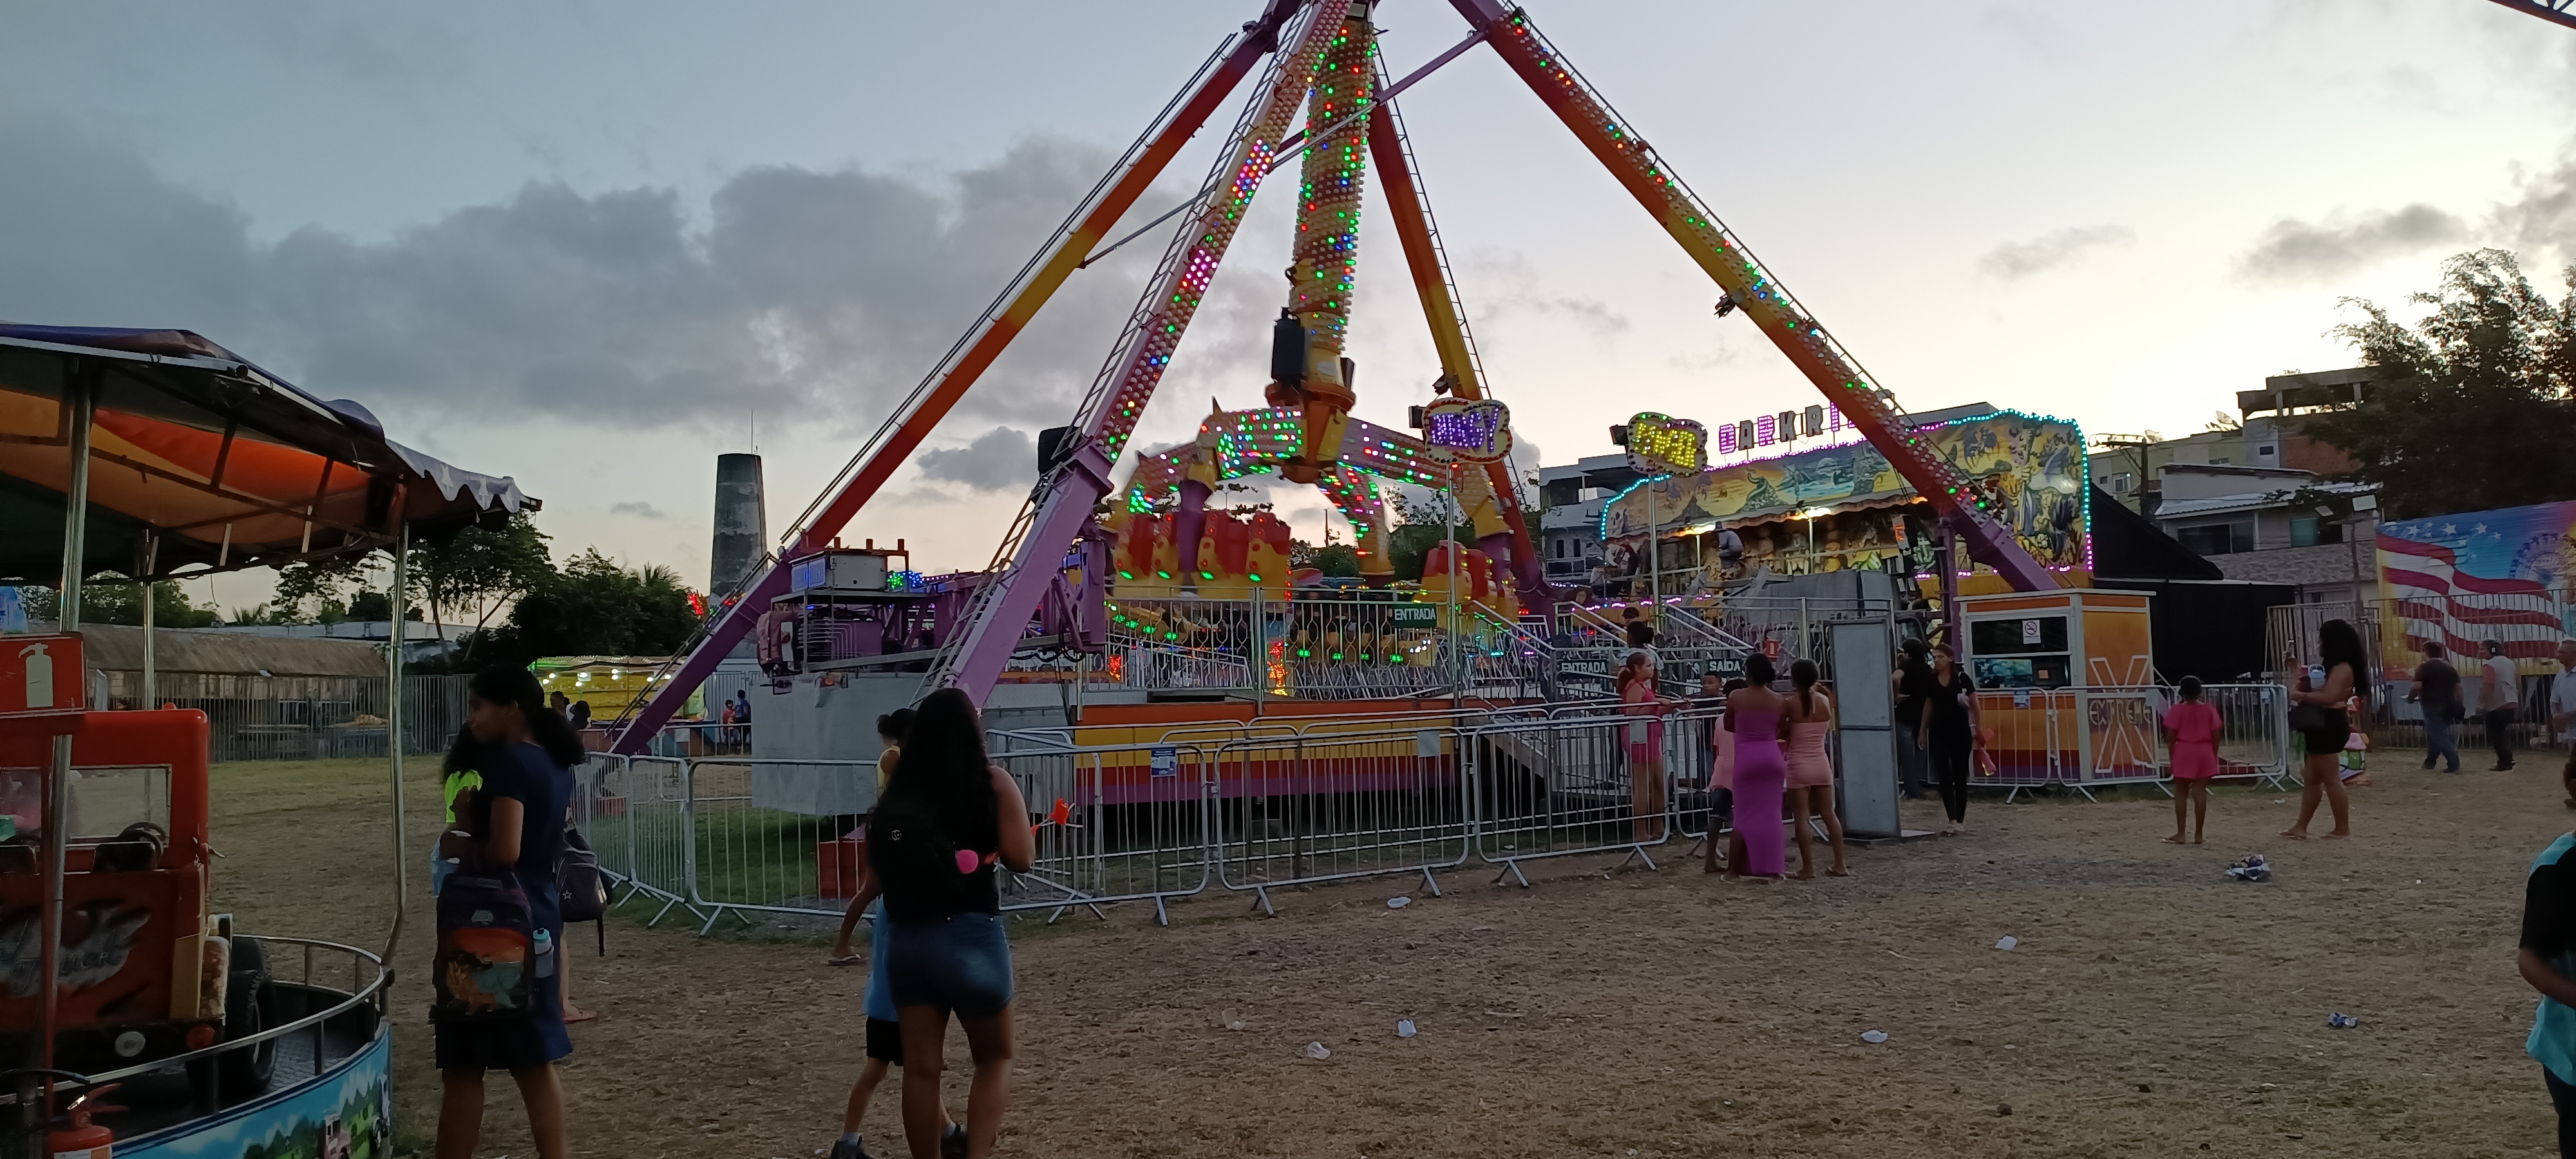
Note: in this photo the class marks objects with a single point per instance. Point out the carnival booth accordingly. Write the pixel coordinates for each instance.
(1821, 500)
(2065, 687)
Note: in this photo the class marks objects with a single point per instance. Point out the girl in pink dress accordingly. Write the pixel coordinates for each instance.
(1644, 733)
(2194, 728)
(1811, 769)
(1754, 715)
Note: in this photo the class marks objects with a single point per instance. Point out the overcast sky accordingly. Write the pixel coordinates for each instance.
(591, 244)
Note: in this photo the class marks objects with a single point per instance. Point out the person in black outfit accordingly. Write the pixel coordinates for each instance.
(948, 806)
(515, 824)
(1913, 686)
(1945, 733)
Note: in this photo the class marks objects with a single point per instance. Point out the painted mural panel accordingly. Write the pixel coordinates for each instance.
(2464, 579)
(2030, 469)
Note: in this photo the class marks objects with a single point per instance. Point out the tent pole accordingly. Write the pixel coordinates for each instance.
(81, 405)
(394, 717)
(79, 402)
(150, 697)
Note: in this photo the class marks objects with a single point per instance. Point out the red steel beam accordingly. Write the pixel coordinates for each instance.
(1258, 39)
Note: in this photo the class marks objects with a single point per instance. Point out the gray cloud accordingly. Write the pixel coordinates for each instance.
(825, 295)
(2543, 217)
(2294, 249)
(640, 510)
(999, 459)
(2014, 260)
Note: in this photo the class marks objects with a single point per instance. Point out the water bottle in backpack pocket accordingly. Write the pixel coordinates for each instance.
(487, 960)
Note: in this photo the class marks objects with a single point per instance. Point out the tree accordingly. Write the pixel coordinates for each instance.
(1419, 526)
(1335, 559)
(594, 607)
(480, 574)
(120, 602)
(2474, 407)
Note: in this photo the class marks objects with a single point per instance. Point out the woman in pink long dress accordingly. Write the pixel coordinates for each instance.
(2195, 728)
(1761, 770)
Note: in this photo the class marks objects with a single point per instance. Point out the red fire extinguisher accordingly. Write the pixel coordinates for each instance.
(78, 1138)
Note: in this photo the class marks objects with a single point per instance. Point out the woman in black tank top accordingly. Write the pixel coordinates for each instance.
(949, 816)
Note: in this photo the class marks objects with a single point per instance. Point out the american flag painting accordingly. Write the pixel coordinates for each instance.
(2481, 575)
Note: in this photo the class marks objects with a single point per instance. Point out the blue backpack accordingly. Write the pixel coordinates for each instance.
(487, 963)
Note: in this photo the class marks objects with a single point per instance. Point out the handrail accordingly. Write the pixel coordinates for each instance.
(371, 989)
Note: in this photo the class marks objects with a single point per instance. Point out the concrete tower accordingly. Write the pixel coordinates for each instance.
(742, 523)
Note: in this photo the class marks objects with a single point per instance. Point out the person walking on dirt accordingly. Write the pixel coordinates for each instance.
(2500, 698)
(2328, 688)
(885, 1029)
(2547, 960)
(527, 789)
(1810, 714)
(2437, 690)
(948, 815)
(1945, 733)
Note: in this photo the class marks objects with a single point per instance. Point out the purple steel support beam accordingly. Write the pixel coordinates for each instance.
(1057, 514)
(1259, 38)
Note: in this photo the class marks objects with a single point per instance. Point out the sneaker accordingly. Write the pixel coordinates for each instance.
(849, 1149)
(952, 1142)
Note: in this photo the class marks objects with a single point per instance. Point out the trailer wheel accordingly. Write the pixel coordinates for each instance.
(250, 1006)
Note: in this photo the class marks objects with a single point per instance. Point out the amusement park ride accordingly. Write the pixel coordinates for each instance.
(1321, 56)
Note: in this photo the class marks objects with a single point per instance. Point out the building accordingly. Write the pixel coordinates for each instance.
(2275, 526)
(421, 640)
(1570, 498)
(2131, 468)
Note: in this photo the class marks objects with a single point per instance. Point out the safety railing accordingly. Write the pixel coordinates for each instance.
(1277, 801)
(1135, 825)
(291, 965)
(1333, 805)
(1568, 785)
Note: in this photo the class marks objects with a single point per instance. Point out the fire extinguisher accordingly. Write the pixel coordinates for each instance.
(76, 1137)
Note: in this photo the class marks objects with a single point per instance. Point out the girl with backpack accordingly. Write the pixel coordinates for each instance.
(949, 814)
(514, 834)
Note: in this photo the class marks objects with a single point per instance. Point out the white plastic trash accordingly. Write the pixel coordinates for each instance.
(1398, 902)
(1404, 1028)
(2007, 942)
(1316, 1050)
(1873, 1036)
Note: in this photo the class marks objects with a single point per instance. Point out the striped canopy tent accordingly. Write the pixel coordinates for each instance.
(201, 461)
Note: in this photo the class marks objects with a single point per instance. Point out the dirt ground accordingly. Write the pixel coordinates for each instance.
(2151, 1007)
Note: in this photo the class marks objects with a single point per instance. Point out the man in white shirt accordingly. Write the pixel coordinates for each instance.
(2562, 694)
(2499, 697)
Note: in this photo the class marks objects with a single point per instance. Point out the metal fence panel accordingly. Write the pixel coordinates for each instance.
(1566, 785)
(1136, 825)
(757, 841)
(1332, 804)
(294, 718)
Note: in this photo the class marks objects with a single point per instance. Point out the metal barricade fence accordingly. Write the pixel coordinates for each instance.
(1334, 804)
(771, 836)
(2254, 731)
(1563, 786)
(1135, 828)
(655, 832)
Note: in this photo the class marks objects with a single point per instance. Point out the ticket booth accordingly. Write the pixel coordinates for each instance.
(2065, 687)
